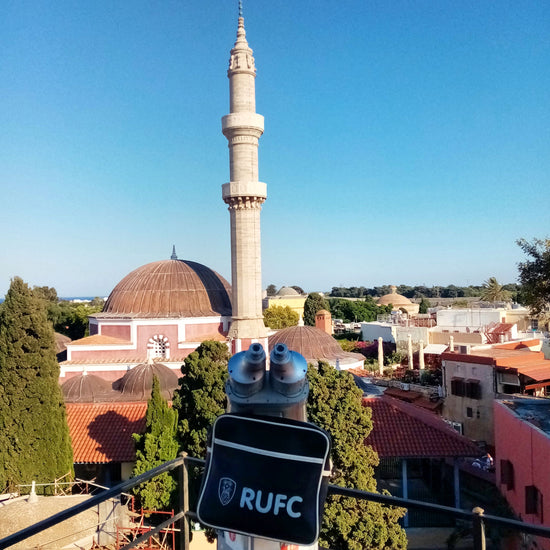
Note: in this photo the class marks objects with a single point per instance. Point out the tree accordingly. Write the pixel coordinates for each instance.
(271, 290)
(424, 305)
(157, 445)
(314, 303)
(201, 398)
(298, 289)
(492, 291)
(334, 404)
(34, 435)
(534, 275)
(277, 317)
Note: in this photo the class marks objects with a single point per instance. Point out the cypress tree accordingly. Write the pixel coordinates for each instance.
(334, 404)
(34, 435)
(201, 398)
(157, 445)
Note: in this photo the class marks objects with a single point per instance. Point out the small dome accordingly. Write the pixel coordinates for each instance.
(315, 345)
(170, 288)
(288, 291)
(86, 388)
(137, 383)
(396, 300)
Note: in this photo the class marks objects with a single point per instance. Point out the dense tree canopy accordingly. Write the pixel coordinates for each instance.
(314, 303)
(334, 404)
(157, 445)
(201, 398)
(271, 290)
(356, 310)
(34, 436)
(277, 317)
(424, 305)
(534, 275)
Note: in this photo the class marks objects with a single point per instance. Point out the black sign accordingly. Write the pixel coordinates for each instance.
(263, 478)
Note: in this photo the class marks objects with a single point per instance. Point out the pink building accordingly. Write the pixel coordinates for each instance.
(522, 448)
(161, 311)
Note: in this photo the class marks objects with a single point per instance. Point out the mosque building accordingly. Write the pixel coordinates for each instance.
(161, 311)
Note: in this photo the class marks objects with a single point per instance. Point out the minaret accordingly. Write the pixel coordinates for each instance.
(244, 194)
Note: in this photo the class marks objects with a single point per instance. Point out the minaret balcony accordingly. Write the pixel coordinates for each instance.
(256, 189)
(243, 122)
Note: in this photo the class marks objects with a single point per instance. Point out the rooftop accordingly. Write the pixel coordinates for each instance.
(102, 432)
(534, 411)
(403, 430)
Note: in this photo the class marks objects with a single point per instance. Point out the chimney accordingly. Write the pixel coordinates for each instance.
(323, 321)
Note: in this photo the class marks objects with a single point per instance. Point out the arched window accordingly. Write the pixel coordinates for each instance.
(158, 346)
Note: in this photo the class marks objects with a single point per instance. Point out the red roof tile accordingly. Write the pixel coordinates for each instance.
(403, 430)
(102, 432)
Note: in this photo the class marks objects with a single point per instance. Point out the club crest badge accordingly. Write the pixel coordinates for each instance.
(226, 490)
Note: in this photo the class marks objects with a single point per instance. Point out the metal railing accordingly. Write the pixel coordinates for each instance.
(476, 517)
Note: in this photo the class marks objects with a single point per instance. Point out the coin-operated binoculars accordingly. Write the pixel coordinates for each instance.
(266, 468)
(280, 391)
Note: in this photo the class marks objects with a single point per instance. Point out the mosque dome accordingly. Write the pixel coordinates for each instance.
(170, 288)
(137, 383)
(288, 291)
(396, 300)
(86, 388)
(315, 345)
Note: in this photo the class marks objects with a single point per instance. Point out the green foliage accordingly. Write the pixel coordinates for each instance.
(298, 289)
(460, 304)
(424, 305)
(71, 318)
(534, 275)
(34, 436)
(493, 291)
(314, 303)
(157, 445)
(356, 310)
(271, 290)
(334, 404)
(277, 317)
(201, 398)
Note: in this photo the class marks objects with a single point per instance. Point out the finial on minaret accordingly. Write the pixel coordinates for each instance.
(174, 256)
(240, 8)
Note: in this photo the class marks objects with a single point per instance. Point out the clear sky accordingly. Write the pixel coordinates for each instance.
(406, 142)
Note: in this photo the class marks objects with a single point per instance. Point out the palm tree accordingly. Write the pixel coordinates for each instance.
(494, 292)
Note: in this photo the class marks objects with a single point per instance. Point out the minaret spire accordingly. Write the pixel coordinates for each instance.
(244, 194)
(174, 256)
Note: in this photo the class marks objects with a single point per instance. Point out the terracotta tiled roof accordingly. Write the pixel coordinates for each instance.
(403, 430)
(102, 432)
(100, 340)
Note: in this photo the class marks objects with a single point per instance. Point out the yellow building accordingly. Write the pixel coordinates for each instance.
(287, 296)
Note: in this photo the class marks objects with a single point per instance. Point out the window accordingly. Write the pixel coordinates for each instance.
(473, 389)
(457, 386)
(158, 346)
(533, 501)
(469, 412)
(507, 474)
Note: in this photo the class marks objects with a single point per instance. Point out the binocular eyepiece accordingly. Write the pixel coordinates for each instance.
(248, 375)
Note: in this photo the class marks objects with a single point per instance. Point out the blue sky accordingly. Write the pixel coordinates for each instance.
(406, 142)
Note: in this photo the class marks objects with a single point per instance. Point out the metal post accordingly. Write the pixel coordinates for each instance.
(405, 481)
(184, 504)
(456, 478)
(478, 528)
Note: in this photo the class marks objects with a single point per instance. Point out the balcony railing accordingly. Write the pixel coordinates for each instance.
(476, 517)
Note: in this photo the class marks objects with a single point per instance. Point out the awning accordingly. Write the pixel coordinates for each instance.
(536, 371)
(435, 349)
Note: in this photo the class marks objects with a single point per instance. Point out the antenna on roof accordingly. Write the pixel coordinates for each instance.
(174, 256)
